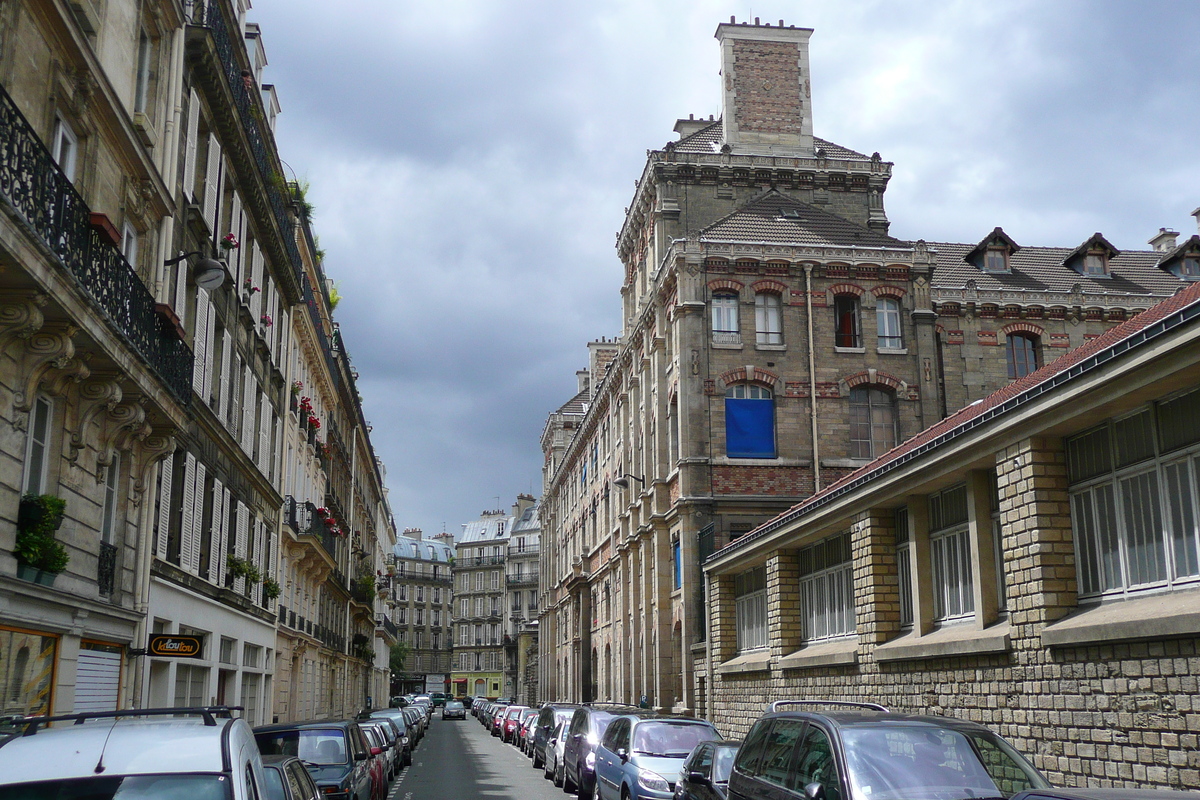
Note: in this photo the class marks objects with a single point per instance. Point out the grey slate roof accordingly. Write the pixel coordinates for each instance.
(484, 531)
(528, 521)
(708, 140)
(576, 405)
(762, 220)
(407, 547)
(1041, 269)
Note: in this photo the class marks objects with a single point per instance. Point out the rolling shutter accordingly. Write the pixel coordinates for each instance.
(97, 679)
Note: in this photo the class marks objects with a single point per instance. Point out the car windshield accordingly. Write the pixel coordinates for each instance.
(670, 739)
(313, 746)
(723, 763)
(128, 787)
(898, 763)
(453, 705)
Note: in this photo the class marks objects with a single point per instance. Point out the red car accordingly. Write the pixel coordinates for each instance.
(523, 739)
(378, 760)
(512, 718)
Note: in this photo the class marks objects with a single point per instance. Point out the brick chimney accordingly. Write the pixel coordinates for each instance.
(766, 97)
(1164, 240)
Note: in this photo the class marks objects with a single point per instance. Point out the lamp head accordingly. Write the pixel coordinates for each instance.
(621, 482)
(210, 274)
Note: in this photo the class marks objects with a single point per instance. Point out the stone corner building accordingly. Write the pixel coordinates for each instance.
(775, 339)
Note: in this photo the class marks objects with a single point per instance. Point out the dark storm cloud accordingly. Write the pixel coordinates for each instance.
(470, 162)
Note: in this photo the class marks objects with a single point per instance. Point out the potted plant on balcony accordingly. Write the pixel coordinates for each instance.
(271, 589)
(39, 556)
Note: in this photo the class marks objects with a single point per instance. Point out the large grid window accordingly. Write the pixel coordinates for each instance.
(768, 318)
(749, 421)
(847, 332)
(1135, 499)
(827, 588)
(725, 328)
(887, 323)
(750, 591)
(872, 422)
(950, 552)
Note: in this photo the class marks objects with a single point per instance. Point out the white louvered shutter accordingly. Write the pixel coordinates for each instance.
(248, 392)
(187, 543)
(235, 396)
(223, 387)
(235, 256)
(264, 436)
(212, 182)
(200, 342)
(256, 590)
(189, 153)
(197, 518)
(215, 553)
(239, 542)
(181, 287)
(222, 538)
(256, 276)
(165, 472)
(210, 332)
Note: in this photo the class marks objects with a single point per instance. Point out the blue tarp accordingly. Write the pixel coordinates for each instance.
(749, 428)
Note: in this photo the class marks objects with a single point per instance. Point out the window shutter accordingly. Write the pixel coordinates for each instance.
(264, 436)
(226, 354)
(256, 558)
(235, 256)
(256, 273)
(212, 182)
(210, 334)
(197, 518)
(200, 343)
(189, 153)
(165, 471)
(216, 559)
(235, 397)
(239, 542)
(247, 437)
(187, 545)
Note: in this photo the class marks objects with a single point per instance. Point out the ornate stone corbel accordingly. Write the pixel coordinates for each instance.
(98, 394)
(43, 350)
(21, 316)
(61, 380)
(151, 448)
(122, 425)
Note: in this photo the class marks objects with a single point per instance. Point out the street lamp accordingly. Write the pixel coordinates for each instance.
(209, 273)
(623, 481)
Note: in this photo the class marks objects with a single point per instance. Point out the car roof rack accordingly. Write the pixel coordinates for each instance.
(209, 713)
(775, 706)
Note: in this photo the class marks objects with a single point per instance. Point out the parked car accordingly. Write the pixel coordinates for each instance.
(511, 723)
(417, 720)
(175, 752)
(467, 701)
(860, 749)
(549, 715)
(640, 754)
(404, 739)
(705, 773)
(552, 758)
(335, 752)
(438, 698)
(378, 761)
(524, 726)
(287, 779)
(454, 710)
(588, 724)
(497, 719)
(391, 753)
(1090, 793)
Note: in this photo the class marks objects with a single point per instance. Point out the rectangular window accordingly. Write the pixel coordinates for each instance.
(725, 319)
(887, 323)
(750, 591)
(129, 244)
(827, 588)
(142, 83)
(64, 147)
(845, 312)
(677, 563)
(768, 319)
(749, 422)
(108, 513)
(496, 579)
(37, 447)
(950, 552)
(904, 567)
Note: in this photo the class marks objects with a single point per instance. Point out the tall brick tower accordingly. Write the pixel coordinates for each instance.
(766, 89)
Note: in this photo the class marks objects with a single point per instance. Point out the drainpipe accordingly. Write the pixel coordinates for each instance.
(812, 379)
(141, 586)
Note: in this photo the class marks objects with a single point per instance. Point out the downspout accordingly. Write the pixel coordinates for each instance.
(170, 159)
(812, 379)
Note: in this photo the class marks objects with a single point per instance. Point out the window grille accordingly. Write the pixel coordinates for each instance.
(827, 588)
(751, 609)
(950, 553)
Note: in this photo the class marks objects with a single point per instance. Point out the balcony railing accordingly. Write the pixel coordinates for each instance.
(479, 561)
(390, 627)
(524, 579)
(106, 568)
(302, 518)
(46, 201)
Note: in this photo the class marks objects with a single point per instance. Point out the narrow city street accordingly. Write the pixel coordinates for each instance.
(458, 759)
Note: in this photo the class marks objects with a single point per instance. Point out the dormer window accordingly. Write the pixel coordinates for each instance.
(996, 259)
(1092, 258)
(1190, 267)
(1094, 263)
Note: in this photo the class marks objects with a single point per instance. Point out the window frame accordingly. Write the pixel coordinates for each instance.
(827, 589)
(750, 610)
(869, 391)
(950, 563)
(64, 147)
(726, 312)
(889, 318)
(847, 322)
(30, 484)
(768, 318)
(1031, 349)
(750, 393)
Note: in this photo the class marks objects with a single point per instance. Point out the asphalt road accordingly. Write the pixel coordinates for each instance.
(458, 760)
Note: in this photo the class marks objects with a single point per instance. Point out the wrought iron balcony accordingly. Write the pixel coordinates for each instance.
(46, 201)
(106, 568)
(524, 579)
(390, 627)
(302, 518)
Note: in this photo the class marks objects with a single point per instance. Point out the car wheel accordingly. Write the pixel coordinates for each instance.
(587, 794)
(568, 785)
(558, 777)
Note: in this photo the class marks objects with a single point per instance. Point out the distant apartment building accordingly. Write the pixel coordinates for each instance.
(521, 579)
(420, 592)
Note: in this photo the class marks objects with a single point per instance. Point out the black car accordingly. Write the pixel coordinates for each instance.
(404, 738)
(335, 752)
(588, 724)
(549, 715)
(287, 779)
(862, 750)
(1097, 793)
(705, 773)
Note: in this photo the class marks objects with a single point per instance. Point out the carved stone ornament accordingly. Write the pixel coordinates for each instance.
(46, 349)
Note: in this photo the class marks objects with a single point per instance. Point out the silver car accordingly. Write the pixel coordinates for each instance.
(552, 769)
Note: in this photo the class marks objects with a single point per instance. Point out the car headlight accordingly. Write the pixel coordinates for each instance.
(590, 760)
(403, 740)
(653, 781)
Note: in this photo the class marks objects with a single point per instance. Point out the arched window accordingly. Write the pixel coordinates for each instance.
(725, 319)
(872, 422)
(845, 312)
(1022, 354)
(749, 421)
(767, 318)
(887, 323)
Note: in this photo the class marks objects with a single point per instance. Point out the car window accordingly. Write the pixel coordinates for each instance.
(615, 737)
(816, 764)
(700, 760)
(777, 753)
(301, 782)
(751, 751)
(723, 764)
(599, 724)
(251, 785)
(1004, 765)
(672, 739)
(904, 759)
(577, 722)
(317, 746)
(273, 784)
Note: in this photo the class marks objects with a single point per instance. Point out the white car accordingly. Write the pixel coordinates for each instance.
(552, 768)
(197, 753)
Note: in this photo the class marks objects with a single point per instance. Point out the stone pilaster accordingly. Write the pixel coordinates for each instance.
(876, 577)
(785, 628)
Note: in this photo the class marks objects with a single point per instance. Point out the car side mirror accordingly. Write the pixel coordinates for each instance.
(698, 779)
(361, 756)
(814, 791)
(623, 754)
(376, 751)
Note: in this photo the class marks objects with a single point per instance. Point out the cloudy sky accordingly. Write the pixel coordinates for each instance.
(470, 162)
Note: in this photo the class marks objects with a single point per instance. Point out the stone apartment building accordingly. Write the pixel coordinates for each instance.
(1029, 563)
(521, 573)
(776, 338)
(155, 269)
(420, 592)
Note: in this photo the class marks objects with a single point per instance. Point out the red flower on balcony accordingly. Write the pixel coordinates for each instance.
(313, 422)
(322, 512)
(230, 242)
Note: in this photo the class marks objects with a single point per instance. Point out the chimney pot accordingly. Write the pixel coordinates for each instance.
(781, 23)
(756, 20)
(732, 19)
(1164, 240)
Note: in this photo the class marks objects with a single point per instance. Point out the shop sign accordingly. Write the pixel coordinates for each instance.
(163, 646)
